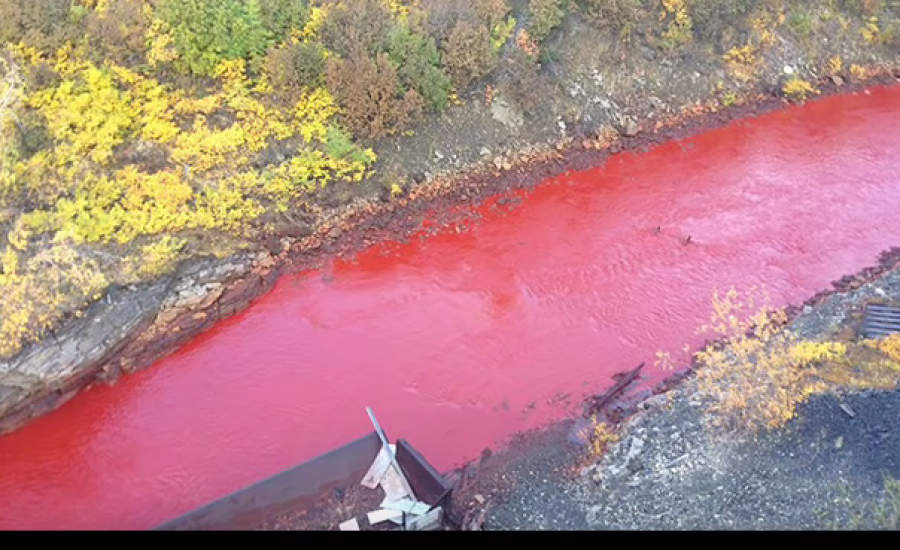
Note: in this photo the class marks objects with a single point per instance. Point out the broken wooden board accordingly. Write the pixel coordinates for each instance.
(406, 505)
(378, 469)
(622, 381)
(383, 515)
(393, 485)
(349, 525)
(429, 522)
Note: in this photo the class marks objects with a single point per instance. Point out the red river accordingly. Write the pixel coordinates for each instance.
(459, 340)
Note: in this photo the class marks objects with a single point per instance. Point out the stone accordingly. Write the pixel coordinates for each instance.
(485, 152)
(655, 402)
(629, 127)
(503, 113)
(838, 81)
(637, 445)
(438, 155)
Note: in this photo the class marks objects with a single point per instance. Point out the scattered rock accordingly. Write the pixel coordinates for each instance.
(838, 81)
(630, 128)
(637, 445)
(485, 152)
(438, 155)
(846, 408)
(503, 113)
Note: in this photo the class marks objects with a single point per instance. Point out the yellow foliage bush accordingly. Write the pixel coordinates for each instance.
(601, 437)
(858, 72)
(680, 30)
(757, 380)
(835, 66)
(157, 258)
(88, 116)
(35, 296)
(761, 371)
(797, 89)
(870, 32)
(314, 113)
(741, 62)
(890, 346)
(83, 194)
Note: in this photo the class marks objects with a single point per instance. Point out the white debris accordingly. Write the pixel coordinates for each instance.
(349, 525)
(429, 522)
(378, 468)
(392, 484)
(383, 515)
(406, 505)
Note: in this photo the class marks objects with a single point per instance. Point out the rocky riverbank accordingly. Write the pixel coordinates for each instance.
(831, 467)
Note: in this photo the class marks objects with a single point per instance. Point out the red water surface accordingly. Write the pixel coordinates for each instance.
(451, 338)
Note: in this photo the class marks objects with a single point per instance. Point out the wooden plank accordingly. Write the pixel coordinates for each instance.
(378, 469)
(349, 525)
(406, 505)
(393, 485)
(429, 522)
(383, 515)
(624, 379)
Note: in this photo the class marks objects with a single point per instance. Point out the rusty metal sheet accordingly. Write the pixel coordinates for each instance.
(428, 485)
(880, 320)
(249, 507)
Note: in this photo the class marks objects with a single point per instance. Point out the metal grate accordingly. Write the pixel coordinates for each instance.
(880, 321)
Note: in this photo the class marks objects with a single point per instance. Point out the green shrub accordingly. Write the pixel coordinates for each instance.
(119, 34)
(616, 15)
(357, 25)
(339, 145)
(207, 32)
(713, 18)
(296, 66)
(469, 53)
(443, 15)
(418, 64)
(546, 15)
(370, 95)
(44, 24)
(279, 17)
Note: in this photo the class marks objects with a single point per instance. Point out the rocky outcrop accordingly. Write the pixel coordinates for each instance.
(126, 331)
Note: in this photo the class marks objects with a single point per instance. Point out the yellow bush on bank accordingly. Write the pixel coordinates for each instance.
(761, 371)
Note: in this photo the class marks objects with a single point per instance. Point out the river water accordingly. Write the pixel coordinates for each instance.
(458, 341)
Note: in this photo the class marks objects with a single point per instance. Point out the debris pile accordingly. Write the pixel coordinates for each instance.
(401, 506)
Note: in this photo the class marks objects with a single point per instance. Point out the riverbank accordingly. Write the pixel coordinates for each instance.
(829, 468)
(615, 99)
